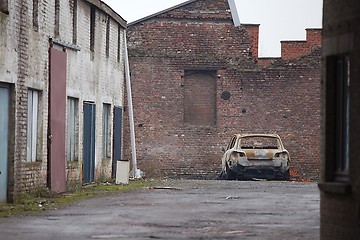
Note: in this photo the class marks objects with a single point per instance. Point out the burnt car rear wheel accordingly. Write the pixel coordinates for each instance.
(285, 176)
(227, 174)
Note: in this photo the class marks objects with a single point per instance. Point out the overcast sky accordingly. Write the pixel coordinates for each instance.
(278, 19)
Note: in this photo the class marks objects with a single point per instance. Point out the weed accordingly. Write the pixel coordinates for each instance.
(43, 199)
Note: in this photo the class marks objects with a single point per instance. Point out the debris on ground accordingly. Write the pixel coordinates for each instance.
(165, 188)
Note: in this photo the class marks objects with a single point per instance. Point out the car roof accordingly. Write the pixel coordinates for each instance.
(257, 135)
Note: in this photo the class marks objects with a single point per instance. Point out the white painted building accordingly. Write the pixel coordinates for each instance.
(61, 82)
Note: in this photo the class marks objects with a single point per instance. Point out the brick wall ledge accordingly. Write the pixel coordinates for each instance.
(335, 187)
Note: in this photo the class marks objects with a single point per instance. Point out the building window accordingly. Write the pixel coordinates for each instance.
(108, 37)
(106, 131)
(119, 44)
(73, 3)
(200, 98)
(36, 14)
(32, 125)
(92, 28)
(4, 6)
(57, 17)
(72, 127)
(342, 123)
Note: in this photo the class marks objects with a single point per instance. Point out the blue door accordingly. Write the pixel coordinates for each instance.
(89, 143)
(4, 125)
(118, 112)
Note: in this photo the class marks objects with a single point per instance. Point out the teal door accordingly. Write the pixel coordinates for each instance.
(89, 142)
(4, 125)
(118, 112)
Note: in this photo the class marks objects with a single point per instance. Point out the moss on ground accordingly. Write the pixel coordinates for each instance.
(43, 199)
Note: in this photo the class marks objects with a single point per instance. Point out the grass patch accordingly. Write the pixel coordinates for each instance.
(43, 199)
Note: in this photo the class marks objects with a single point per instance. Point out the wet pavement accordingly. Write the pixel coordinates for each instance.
(182, 209)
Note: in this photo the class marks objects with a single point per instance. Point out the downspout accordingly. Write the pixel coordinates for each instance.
(136, 173)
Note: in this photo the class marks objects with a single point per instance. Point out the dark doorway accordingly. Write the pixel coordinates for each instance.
(89, 142)
(118, 114)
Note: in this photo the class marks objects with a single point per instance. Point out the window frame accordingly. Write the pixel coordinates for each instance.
(342, 121)
(106, 131)
(232, 143)
(72, 129)
(32, 129)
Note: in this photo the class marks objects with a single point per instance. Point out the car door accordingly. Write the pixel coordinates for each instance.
(228, 150)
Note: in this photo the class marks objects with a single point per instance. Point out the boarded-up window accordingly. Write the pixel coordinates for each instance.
(200, 98)
(32, 125)
(72, 126)
(106, 131)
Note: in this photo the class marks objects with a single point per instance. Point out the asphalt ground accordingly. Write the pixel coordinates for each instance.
(182, 209)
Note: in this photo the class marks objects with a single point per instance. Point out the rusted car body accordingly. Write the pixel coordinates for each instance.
(255, 156)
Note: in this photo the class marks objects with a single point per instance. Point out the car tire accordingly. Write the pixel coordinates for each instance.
(230, 175)
(287, 175)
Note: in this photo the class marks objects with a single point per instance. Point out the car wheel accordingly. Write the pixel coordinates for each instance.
(230, 175)
(287, 175)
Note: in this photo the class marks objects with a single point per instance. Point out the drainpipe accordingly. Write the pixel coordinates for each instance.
(136, 173)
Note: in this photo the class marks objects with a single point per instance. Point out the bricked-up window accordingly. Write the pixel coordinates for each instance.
(72, 129)
(106, 131)
(32, 125)
(36, 14)
(200, 97)
(92, 28)
(108, 37)
(342, 132)
(4, 6)
(57, 17)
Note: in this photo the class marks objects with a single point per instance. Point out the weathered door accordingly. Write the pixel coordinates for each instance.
(89, 142)
(57, 121)
(4, 125)
(117, 138)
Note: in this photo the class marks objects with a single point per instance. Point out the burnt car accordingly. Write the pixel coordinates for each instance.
(255, 156)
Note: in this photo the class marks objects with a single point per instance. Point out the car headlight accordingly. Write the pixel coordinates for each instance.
(282, 156)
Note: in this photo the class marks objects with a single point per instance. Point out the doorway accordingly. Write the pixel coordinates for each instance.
(89, 142)
(4, 142)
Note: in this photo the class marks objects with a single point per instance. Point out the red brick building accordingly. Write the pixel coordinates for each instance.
(197, 80)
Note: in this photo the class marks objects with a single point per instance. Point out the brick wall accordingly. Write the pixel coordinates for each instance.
(295, 49)
(281, 96)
